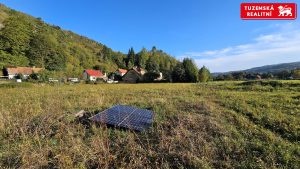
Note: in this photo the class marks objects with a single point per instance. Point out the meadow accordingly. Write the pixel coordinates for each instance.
(251, 124)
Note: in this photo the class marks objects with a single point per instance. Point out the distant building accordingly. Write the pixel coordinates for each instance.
(121, 72)
(12, 72)
(93, 75)
(160, 77)
(134, 75)
(73, 79)
(258, 77)
(53, 80)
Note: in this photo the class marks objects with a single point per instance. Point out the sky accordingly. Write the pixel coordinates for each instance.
(210, 32)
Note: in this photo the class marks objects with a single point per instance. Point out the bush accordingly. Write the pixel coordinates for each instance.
(263, 83)
(150, 76)
(204, 75)
(34, 76)
(20, 76)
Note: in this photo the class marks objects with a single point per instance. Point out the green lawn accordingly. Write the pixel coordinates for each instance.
(213, 125)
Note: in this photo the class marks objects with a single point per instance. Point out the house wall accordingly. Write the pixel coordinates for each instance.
(85, 76)
(132, 77)
(160, 77)
(11, 76)
(25, 76)
(92, 78)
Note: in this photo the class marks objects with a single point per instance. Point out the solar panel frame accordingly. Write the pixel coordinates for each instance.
(124, 116)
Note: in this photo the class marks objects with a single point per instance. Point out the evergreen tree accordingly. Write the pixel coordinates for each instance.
(130, 65)
(153, 50)
(130, 58)
(179, 74)
(204, 74)
(142, 57)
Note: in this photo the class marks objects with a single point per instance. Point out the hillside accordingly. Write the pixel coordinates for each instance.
(268, 68)
(275, 68)
(29, 41)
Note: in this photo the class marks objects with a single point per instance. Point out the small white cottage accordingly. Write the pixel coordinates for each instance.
(12, 72)
(93, 75)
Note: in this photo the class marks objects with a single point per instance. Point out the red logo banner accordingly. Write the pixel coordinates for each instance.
(260, 11)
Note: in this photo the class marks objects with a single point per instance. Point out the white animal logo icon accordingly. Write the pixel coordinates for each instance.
(285, 11)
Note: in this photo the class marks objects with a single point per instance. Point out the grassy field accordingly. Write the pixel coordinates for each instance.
(213, 125)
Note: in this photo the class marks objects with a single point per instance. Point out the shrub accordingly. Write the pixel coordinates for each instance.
(150, 76)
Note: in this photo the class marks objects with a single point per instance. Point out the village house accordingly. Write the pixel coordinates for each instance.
(134, 75)
(93, 75)
(121, 72)
(12, 72)
(159, 78)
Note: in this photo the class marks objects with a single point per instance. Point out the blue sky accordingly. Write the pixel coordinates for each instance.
(210, 32)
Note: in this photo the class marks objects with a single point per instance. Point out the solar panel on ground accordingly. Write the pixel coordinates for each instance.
(125, 117)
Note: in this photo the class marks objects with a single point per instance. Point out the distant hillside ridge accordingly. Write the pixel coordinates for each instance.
(275, 68)
(268, 68)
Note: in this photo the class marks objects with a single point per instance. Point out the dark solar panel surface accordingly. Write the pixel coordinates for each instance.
(125, 117)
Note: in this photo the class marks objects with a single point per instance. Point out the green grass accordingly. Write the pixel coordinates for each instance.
(212, 125)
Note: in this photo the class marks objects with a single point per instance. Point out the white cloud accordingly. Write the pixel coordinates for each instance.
(281, 46)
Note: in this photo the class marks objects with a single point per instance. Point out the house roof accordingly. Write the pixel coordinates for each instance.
(96, 73)
(122, 70)
(23, 70)
(139, 70)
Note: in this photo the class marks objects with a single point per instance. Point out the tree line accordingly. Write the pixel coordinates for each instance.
(156, 62)
(283, 75)
(187, 71)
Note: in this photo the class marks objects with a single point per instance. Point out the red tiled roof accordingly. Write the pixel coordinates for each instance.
(96, 73)
(23, 70)
(122, 70)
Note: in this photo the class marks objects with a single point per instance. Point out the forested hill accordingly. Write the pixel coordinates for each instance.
(275, 68)
(267, 68)
(28, 41)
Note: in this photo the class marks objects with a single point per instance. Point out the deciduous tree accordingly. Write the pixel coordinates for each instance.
(191, 70)
(204, 74)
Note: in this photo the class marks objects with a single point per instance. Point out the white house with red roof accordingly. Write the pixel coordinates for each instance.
(12, 72)
(93, 75)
